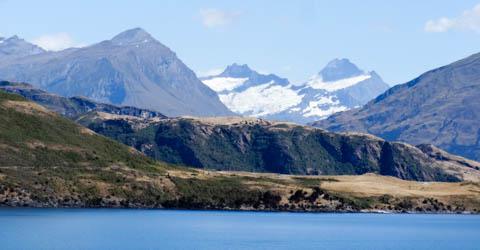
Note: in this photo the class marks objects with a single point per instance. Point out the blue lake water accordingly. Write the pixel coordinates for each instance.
(163, 229)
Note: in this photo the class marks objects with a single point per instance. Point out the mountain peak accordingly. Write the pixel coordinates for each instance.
(110, 71)
(339, 69)
(237, 70)
(132, 36)
(13, 38)
(18, 47)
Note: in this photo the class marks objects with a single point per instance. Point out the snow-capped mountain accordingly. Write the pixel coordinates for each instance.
(247, 92)
(17, 47)
(339, 86)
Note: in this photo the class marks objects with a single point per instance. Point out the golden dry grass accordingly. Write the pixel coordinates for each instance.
(27, 107)
(366, 185)
(374, 185)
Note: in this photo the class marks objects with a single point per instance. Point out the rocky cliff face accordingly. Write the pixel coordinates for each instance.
(261, 146)
(439, 107)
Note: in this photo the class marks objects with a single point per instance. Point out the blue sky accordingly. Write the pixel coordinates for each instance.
(293, 39)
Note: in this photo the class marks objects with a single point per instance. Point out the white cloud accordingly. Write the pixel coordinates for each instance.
(213, 18)
(55, 42)
(469, 20)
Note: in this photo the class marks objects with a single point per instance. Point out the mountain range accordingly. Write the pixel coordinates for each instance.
(252, 144)
(130, 69)
(134, 69)
(440, 107)
(339, 86)
(100, 126)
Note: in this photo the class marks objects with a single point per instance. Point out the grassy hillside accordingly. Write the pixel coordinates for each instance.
(242, 144)
(30, 136)
(49, 161)
(199, 189)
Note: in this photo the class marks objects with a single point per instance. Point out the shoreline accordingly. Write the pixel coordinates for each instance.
(386, 212)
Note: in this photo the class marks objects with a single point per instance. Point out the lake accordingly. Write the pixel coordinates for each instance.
(170, 229)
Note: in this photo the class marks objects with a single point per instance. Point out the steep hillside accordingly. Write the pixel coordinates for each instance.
(48, 161)
(439, 107)
(249, 144)
(131, 69)
(337, 87)
(32, 136)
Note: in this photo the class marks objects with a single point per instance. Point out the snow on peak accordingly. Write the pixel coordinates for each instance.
(249, 93)
(237, 77)
(323, 107)
(220, 84)
(317, 82)
(261, 100)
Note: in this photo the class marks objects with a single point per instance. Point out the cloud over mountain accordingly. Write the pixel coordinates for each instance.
(469, 20)
(56, 42)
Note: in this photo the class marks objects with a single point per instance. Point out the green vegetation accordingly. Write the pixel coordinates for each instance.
(221, 193)
(49, 161)
(269, 147)
(235, 144)
(30, 136)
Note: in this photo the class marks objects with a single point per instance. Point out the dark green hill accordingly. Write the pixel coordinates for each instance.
(238, 144)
